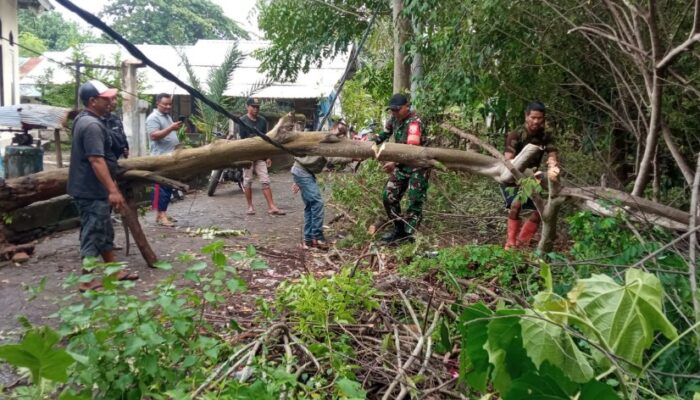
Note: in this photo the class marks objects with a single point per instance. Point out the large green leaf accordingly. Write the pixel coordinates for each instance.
(36, 352)
(505, 349)
(474, 360)
(545, 340)
(626, 316)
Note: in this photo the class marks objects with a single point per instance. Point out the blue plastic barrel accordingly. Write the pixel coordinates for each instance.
(23, 160)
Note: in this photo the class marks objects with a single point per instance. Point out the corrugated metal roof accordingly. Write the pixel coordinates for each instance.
(33, 114)
(203, 56)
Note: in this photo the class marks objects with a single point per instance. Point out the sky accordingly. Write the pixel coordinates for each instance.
(237, 10)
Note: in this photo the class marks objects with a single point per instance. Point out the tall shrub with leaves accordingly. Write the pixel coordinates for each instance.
(565, 346)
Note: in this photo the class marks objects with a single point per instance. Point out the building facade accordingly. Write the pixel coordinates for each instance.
(9, 51)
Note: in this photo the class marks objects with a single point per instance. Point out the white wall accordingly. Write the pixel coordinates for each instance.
(10, 53)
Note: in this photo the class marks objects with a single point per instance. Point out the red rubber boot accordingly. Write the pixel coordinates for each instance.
(511, 238)
(527, 233)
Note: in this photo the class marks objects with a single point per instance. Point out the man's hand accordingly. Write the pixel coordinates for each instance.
(389, 167)
(116, 200)
(268, 162)
(175, 126)
(295, 188)
(553, 173)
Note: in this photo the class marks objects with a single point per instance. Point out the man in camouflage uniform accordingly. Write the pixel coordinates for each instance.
(532, 132)
(404, 122)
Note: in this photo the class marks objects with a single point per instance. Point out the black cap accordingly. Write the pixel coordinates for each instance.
(252, 101)
(397, 100)
(94, 88)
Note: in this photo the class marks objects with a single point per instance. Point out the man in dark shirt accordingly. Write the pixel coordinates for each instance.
(406, 128)
(91, 177)
(532, 132)
(120, 145)
(253, 118)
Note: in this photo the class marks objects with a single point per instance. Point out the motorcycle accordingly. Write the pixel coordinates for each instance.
(232, 174)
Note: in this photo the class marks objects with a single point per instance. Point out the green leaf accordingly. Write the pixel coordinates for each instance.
(544, 340)
(134, 344)
(198, 266)
(548, 384)
(474, 359)
(595, 390)
(163, 265)
(235, 285)
(250, 250)
(219, 259)
(505, 349)
(626, 316)
(350, 389)
(258, 264)
(237, 256)
(37, 353)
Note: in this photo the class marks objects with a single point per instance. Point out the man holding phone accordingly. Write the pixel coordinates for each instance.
(163, 134)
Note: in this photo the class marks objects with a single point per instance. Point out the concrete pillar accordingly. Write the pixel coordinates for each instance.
(143, 113)
(130, 108)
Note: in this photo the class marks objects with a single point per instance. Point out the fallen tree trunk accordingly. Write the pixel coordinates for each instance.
(185, 163)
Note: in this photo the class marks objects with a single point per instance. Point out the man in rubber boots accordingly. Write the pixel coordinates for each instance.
(406, 128)
(91, 178)
(532, 132)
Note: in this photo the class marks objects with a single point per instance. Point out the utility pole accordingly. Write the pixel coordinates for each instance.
(77, 65)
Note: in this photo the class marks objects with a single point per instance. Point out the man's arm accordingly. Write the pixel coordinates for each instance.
(157, 134)
(385, 134)
(511, 144)
(99, 166)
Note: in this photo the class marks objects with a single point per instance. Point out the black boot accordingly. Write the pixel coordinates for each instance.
(397, 235)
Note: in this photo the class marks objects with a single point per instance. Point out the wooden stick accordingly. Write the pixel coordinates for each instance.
(132, 221)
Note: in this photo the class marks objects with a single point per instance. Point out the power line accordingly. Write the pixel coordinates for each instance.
(134, 51)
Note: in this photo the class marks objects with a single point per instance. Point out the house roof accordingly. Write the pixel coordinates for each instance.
(203, 56)
(35, 4)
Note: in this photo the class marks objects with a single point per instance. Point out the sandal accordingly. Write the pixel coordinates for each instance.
(165, 222)
(94, 284)
(321, 245)
(250, 212)
(276, 212)
(126, 276)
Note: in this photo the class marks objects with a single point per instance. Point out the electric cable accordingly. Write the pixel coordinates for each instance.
(134, 51)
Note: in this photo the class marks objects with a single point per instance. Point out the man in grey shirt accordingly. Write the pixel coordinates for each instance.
(91, 178)
(163, 134)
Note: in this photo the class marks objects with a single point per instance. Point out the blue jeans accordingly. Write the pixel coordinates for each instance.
(313, 207)
(161, 197)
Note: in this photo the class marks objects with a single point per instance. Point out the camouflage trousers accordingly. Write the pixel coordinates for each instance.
(413, 180)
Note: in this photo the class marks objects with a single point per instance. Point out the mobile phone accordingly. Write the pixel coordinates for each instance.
(182, 118)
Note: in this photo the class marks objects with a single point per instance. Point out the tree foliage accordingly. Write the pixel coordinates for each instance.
(176, 22)
(54, 32)
(302, 34)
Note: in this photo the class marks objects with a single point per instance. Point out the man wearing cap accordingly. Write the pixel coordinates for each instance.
(91, 177)
(532, 132)
(259, 167)
(163, 134)
(406, 128)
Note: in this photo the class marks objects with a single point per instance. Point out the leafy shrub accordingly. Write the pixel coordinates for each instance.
(470, 261)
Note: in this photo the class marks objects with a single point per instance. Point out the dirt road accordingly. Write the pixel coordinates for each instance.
(275, 237)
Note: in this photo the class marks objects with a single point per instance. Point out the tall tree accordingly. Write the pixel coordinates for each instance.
(175, 22)
(303, 33)
(55, 32)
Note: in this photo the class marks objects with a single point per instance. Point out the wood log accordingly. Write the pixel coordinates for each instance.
(185, 163)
